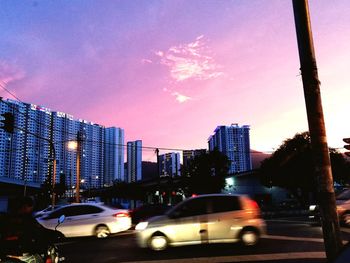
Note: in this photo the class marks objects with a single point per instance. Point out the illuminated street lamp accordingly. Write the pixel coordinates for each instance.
(75, 146)
(72, 145)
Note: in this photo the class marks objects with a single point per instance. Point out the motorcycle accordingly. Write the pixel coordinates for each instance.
(50, 255)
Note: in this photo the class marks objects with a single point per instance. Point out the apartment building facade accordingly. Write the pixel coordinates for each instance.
(234, 142)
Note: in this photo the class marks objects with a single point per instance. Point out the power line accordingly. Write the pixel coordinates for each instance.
(9, 92)
(35, 120)
(74, 134)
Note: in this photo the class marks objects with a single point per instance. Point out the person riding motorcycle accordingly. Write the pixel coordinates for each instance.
(23, 239)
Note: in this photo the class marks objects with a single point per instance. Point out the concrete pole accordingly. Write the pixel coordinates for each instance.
(77, 188)
(323, 172)
(53, 175)
(54, 184)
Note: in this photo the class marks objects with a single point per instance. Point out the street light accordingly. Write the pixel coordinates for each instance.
(75, 146)
(72, 145)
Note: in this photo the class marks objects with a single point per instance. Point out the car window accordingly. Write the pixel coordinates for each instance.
(57, 213)
(86, 209)
(224, 203)
(192, 207)
(75, 210)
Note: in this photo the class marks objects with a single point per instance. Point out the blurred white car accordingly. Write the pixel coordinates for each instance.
(212, 218)
(88, 220)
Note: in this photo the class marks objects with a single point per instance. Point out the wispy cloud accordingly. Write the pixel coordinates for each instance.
(190, 61)
(180, 97)
(146, 61)
(10, 72)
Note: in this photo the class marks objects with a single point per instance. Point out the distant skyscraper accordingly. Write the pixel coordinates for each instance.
(189, 155)
(169, 164)
(114, 155)
(234, 142)
(134, 161)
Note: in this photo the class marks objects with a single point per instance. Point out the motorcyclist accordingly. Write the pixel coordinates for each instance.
(22, 237)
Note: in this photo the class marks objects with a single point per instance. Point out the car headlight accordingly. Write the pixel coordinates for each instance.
(340, 209)
(312, 207)
(141, 226)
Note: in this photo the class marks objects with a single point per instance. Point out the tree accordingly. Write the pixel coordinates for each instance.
(207, 173)
(340, 167)
(291, 166)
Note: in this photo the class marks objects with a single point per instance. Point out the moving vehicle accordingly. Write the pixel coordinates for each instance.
(146, 211)
(343, 209)
(88, 219)
(212, 218)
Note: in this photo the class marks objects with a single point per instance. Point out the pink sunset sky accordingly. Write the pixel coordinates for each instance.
(169, 72)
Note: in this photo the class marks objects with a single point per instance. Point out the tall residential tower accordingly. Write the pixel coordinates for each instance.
(114, 155)
(134, 159)
(234, 142)
(169, 164)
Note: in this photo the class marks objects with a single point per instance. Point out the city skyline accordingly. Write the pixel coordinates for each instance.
(169, 77)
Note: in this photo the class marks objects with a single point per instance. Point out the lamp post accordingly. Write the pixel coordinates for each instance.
(53, 175)
(76, 145)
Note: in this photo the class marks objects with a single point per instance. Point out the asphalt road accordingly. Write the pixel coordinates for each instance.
(288, 240)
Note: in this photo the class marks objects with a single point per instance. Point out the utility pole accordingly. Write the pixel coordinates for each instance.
(323, 172)
(158, 174)
(53, 175)
(77, 188)
(158, 170)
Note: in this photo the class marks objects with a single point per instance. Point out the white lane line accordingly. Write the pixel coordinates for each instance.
(289, 221)
(308, 239)
(245, 258)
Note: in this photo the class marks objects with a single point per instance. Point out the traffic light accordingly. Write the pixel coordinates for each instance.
(7, 122)
(347, 146)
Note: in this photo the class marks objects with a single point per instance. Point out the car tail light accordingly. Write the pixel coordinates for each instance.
(252, 207)
(121, 215)
(11, 238)
(251, 204)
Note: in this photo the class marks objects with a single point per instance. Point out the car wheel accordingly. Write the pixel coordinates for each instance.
(102, 231)
(158, 242)
(249, 237)
(345, 219)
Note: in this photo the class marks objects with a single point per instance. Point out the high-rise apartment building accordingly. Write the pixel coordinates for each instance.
(189, 155)
(42, 135)
(24, 154)
(134, 161)
(114, 155)
(234, 142)
(169, 164)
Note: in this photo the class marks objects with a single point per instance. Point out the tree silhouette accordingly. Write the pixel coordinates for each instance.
(291, 166)
(207, 173)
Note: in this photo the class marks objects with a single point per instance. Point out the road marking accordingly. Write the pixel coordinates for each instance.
(289, 221)
(78, 239)
(308, 239)
(246, 258)
(343, 229)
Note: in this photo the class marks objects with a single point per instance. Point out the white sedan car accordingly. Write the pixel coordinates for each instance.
(88, 220)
